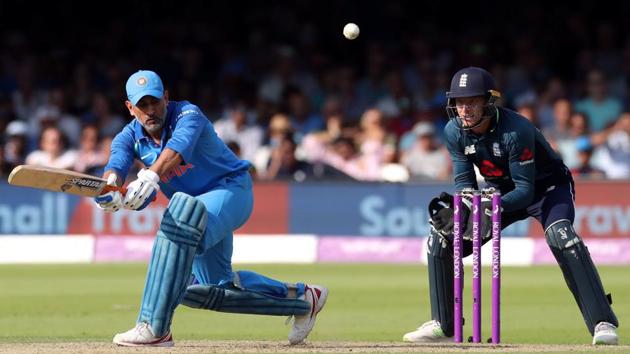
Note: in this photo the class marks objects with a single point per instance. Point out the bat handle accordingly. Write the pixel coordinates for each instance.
(108, 188)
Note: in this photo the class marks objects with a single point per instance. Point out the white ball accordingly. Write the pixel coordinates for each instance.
(351, 31)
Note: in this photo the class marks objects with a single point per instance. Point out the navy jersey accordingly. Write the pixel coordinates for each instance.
(512, 156)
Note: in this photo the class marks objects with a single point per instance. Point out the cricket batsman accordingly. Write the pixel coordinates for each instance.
(514, 158)
(210, 192)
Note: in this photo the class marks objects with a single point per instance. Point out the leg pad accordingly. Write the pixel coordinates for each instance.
(580, 274)
(180, 233)
(440, 259)
(229, 298)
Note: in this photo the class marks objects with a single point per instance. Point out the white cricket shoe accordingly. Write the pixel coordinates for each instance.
(429, 332)
(605, 333)
(142, 336)
(303, 325)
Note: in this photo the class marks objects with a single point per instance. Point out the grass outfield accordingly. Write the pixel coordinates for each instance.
(367, 303)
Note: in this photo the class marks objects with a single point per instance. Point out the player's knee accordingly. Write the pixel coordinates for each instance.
(561, 235)
(184, 219)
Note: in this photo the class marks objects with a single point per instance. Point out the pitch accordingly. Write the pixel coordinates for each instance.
(78, 308)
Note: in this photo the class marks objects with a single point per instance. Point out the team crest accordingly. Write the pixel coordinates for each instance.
(469, 150)
(142, 81)
(496, 151)
(463, 80)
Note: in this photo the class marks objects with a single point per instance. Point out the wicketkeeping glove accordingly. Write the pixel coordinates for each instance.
(486, 220)
(441, 214)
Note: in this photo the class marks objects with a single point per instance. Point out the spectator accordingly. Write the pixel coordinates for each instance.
(286, 73)
(528, 110)
(235, 128)
(5, 167)
(16, 146)
(584, 169)
(27, 97)
(614, 155)
(343, 90)
(54, 111)
(343, 155)
(52, 150)
(285, 166)
(561, 115)
(279, 125)
(600, 108)
(554, 92)
(374, 139)
(578, 126)
(396, 102)
(303, 119)
(91, 159)
(426, 160)
(101, 115)
(371, 88)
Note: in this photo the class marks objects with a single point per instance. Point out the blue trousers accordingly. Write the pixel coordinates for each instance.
(229, 206)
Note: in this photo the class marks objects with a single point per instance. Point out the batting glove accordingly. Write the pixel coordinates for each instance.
(142, 191)
(111, 201)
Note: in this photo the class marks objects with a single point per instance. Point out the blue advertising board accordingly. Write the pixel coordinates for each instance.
(368, 209)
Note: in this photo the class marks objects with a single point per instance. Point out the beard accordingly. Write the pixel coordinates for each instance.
(154, 124)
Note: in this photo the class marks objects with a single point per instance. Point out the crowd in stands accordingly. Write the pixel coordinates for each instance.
(301, 103)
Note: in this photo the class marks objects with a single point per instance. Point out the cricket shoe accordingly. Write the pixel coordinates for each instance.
(142, 336)
(303, 325)
(605, 333)
(429, 332)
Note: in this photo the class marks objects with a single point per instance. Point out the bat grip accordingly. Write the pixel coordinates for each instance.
(109, 188)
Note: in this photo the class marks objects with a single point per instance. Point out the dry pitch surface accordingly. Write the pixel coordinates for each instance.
(314, 347)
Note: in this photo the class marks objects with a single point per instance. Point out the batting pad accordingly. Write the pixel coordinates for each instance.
(228, 298)
(180, 233)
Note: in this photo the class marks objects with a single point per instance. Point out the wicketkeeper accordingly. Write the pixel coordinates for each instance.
(513, 157)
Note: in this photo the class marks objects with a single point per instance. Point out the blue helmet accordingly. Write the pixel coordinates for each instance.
(472, 82)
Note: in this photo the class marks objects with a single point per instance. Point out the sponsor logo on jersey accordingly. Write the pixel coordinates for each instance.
(488, 169)
(527, 157)
(469, 150)
(186, 112)
(177, 171)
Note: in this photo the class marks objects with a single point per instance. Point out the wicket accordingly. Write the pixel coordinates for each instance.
(458, 269)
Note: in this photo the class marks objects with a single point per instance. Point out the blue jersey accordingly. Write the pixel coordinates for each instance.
(206, 159)
(512, 156)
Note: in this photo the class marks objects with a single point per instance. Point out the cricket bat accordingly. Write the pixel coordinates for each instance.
(59, 180)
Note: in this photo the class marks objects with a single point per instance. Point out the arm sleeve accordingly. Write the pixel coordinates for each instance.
(190, 124)
(522, 168)
(463, 169)
(122, 153)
